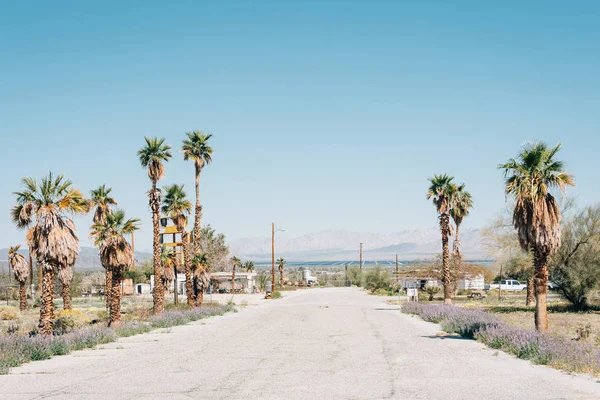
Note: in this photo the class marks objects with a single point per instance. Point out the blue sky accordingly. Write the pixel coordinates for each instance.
(325, 114)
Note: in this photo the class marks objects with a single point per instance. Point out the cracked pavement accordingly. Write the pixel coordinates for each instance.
(337, 343)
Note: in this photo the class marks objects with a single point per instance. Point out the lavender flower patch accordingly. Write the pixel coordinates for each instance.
(17, 350)
(524, 343)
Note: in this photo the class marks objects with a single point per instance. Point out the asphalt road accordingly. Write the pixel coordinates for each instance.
(313, 344)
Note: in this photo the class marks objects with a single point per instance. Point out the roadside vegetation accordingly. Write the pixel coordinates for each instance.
(490, 329)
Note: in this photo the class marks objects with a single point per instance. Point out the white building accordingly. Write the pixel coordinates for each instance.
(472, 283)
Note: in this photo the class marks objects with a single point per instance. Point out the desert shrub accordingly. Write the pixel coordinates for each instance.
(355, 276)
(381, 292)
(377, 278)
(8, 313)
(431, 291)
(276, 294)
(67, 320)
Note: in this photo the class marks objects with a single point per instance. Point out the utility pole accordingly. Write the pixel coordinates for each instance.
(397, 276)
(361, 257)
(133, 249)
(272, 258)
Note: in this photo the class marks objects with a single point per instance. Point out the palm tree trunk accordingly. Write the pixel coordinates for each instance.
(47, 305)
(189, 291)
(66, 296)
(540, 280)
(281, 279)
(22, 296)
(115, 300)
(458, 258)
(108, 288)
(200, 298)
(530, 292)
(444, 225)
(233, 279)
(197, 214)
(158, 293)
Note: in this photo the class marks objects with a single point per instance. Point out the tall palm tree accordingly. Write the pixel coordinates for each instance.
(460, 207)
(201, 272)
(177, 207)
(101, 199)
(235, 263)
(197, 149)
(42, 206)
(21, 270)
(442, 192)
(536, 217)
(116, 254)
(281, 264)
(152, 156)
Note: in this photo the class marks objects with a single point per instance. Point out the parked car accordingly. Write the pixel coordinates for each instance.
(509, 285)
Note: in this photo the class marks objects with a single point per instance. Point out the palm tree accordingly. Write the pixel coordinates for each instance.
(249, 266)
(201, 272)
(42, 207)
(461, 205)
(536, 216)
(21, 270)
(197, 149)
(177, 206)
(281, 264)
(235, 262)
(65, 276)
(168, 259)
(116, 254)
(152, 156)
(101, 199)
(442, 191)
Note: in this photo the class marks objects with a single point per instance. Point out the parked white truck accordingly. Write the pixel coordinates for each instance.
(509, 285)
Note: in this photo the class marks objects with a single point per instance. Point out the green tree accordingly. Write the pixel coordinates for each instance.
(442, 192)
(197, 149)
(43, 207)
(575, 267)
(212, 244)
(116, 254)
(152, 156)
(536, 217)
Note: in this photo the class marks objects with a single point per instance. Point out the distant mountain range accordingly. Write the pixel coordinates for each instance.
(344, 245)
(87, 260)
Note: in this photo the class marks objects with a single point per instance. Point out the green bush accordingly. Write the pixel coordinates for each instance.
(276, 294)
(378, 278)
(381, 292)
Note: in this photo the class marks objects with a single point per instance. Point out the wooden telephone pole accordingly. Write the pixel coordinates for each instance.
(272, 258)
(361, 257)
(133, 249)
(397, 276)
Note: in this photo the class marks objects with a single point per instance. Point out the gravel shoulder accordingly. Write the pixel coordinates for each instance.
(337, 343)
